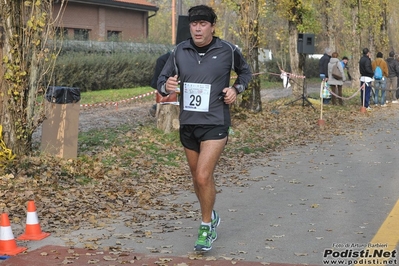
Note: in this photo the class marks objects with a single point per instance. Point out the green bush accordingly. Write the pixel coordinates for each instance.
(101, 71)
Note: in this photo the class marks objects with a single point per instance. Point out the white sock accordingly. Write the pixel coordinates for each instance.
(208, 224)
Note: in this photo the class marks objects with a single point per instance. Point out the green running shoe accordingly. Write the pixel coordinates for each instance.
(204, 241)
(215, 223)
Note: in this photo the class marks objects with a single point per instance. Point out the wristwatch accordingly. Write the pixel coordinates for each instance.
(239, 88)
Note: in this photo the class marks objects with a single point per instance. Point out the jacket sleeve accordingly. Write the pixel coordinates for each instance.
(243, 71)
(368, 68)
(341, 69)
(329, 71)
(326, 68)
(373, 65)
(158, 68)
(385, 71)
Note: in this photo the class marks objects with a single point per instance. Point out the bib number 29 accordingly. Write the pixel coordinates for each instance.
(196, 97)
(195, 100)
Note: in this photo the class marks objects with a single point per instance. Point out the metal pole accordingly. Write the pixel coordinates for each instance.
(173, 22)
(180, 7)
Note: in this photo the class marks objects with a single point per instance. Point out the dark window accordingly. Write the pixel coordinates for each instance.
(114, 35)
(81, 34)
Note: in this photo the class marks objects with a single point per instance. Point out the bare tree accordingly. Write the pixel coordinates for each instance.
(293, 12)
(249, 30)
(27, 55)
(248, 15)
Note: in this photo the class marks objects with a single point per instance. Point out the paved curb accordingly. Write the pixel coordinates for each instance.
(59, 255)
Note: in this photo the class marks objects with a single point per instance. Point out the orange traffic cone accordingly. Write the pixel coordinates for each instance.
(8, 245)
(32, 229)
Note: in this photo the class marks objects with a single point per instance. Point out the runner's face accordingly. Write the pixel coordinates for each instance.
(202, 32)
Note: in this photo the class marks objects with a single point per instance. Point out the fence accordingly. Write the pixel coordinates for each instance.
(110, 47)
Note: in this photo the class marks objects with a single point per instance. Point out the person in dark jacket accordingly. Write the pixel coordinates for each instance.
(366, 77)
(323, 64)
(159, 64)
(323, 69)
(397, 90)
(203, 65)
(392, 79)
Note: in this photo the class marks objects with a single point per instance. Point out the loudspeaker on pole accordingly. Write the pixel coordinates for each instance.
(183, 29)
(305, 44)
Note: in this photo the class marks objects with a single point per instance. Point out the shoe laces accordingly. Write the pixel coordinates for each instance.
(204, 232)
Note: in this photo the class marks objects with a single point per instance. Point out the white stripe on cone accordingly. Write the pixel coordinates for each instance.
(6, 233)
(31, 218)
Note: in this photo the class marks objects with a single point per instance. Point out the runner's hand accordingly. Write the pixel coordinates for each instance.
(231, 95)
(172, 84)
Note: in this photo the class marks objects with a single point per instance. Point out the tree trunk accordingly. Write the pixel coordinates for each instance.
(249, 12)
(168, 117)
(3, 100)
(296, 64)
(27, 58)
(356, 48)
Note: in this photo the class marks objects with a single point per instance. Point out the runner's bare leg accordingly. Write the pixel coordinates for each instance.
(202, 166)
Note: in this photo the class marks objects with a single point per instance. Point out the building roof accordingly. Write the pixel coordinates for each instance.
(137, 2)
(140, 5)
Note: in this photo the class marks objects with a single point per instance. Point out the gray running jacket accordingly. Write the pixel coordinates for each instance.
(212, 69)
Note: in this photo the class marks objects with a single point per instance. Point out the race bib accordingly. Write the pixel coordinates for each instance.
(196, 97)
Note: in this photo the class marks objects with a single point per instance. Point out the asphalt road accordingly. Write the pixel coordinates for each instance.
(293, 206)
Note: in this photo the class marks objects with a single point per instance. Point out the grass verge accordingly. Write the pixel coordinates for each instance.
(102, 96)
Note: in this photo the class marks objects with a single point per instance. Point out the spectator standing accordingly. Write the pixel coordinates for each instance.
(159, 64)
(392, 79)
(380, 85)
(366, 77)
(335, 84)
(344, 63)
(203, 65)
(323, 69)
(397, 87)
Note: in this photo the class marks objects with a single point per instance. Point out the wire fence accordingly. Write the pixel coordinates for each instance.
(111, 47)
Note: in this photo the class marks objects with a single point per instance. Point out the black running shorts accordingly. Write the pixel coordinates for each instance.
(192, 135)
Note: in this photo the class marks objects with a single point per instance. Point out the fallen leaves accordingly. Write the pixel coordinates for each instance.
(138, 169)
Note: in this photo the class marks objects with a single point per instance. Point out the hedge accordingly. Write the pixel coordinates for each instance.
(99, 71)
